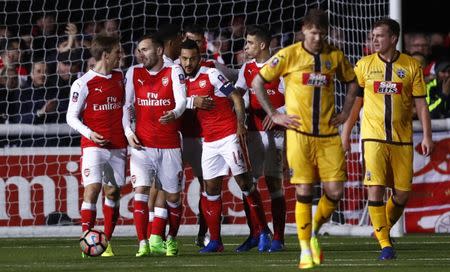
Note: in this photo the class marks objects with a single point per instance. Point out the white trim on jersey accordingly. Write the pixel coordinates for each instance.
(178, 89)
(77, 103)
(129, 100)
(222, 86)
(242, 83)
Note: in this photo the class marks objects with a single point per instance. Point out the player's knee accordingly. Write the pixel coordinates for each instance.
(91, 192)
(307, 199)
(173, 198)
(335, 196)
(112, 192)
(213, 189)
(145, 190)
(244, 181)
(401, 198)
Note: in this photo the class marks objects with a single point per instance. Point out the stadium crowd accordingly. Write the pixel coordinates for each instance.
(38, 65)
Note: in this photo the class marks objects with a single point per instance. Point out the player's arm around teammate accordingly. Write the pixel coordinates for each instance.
(222, 148)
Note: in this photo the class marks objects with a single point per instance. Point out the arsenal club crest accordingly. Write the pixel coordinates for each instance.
(86, 172)
(328, 64)
(202, 83)
(165, 81)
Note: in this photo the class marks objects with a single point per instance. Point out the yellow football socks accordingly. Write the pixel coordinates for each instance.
(393, 212)
(377, 212)
(325, 208)
(303, 221)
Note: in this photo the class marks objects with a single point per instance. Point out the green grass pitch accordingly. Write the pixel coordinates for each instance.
(414, 253)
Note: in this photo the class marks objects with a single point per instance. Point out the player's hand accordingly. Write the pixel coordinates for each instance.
(204, 102)
(134, 142)
(338, 119)
(98, 139)
(242, 133)
(346, 144)
(168, 117)
(286, 120)
(267, 123)
(427, 146)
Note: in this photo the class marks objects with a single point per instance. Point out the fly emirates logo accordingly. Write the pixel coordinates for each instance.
(111, 104)
(153, 100)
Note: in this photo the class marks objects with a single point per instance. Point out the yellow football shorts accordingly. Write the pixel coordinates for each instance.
(312, 159)
(388, 165)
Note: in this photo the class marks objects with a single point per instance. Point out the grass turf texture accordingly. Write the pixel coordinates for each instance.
(414, 253)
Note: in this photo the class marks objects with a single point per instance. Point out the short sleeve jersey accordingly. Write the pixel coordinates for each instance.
(100, 100)
(389, 89)
(154, 95)
(273, 89)
(220, 121)
(308, 81)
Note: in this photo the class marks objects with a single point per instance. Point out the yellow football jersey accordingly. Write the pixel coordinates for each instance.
(309, 87)
(389, 89)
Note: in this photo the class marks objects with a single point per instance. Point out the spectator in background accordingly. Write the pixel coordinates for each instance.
(275, 44)
(222, 45)
(10, 86)
(67, 69)
(12, 58)
(237, 29)
(111, 28)
(423, 63)
(45, 40)
(31, 103)
(420, 42)
(90, 29)
(71, 41)
(368, 47)
(438, 92)
(4, 32)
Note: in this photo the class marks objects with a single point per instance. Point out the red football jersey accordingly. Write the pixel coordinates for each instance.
(221, 121)
(274, 90)
(154, 94)
(190, 125)
(98, 100)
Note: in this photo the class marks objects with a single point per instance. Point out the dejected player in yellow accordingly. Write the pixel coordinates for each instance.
(314, 149)
(391, 83)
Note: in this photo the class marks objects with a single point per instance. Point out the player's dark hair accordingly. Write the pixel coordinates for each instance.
(102, 43)
(168, 32)
(317, 18)
(393, 26)
(194, 28)
(154, 38)
(190, 44)
(261, 32)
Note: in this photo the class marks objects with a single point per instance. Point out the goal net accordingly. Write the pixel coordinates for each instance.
(40, 183)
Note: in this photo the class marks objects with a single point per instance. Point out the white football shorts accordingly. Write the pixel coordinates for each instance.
(220, 156)
(266, 153)
(163, 165)
(101, 165)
